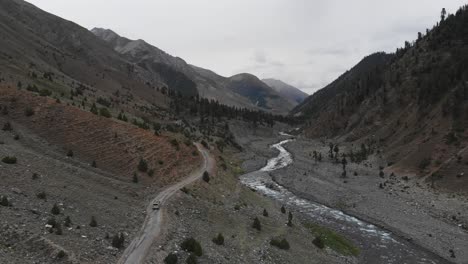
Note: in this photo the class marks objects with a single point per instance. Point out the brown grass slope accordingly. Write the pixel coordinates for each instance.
(116, 147)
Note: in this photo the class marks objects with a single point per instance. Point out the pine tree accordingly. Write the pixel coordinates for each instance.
(55, 210)
(256, 224)
(93, 222)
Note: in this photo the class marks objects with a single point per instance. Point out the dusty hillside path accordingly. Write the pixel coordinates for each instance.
(137, 251)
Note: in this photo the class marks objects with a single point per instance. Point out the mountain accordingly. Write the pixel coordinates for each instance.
(286, 90)
(258, 92)
(207, 83)
(411, 106)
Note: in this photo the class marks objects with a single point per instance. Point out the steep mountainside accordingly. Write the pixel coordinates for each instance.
(49, 51)
(259, 93)
(412, 105)
(208, 84)
(286, 90)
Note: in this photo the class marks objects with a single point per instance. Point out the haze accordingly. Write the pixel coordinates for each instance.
(305, 43)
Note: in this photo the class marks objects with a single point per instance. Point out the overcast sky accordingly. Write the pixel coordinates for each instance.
(307, 43)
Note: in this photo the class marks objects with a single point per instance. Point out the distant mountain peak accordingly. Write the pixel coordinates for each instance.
(286, 90)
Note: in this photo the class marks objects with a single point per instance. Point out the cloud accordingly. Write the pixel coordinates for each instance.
(302, 42)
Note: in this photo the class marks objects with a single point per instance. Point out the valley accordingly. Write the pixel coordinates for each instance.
(115, 151)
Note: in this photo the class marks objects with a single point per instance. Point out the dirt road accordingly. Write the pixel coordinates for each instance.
(151, 229)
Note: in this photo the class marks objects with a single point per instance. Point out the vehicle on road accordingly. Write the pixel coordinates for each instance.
(156, 206)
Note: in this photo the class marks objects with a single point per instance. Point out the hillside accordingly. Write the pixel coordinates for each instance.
(411, 105)
(259, 93)
(286, 90)
(51, 52)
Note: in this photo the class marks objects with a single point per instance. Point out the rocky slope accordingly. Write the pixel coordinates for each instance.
(286, 90)
(235, 91)
(411, 105)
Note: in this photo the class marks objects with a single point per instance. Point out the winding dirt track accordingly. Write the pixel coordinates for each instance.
(137, 250)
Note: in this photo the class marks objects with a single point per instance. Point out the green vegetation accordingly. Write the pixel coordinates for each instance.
(281, 244)
(93, 222)
(171, 259)
(55, 210)
(105, 112)
(256, 224)
(283, 210)
(332, 240)
(28, 111)
(7, 126)
(424, 163)
(265, 213)
(9, 160)
(4, 201)
(61, 254)
(42, 195)
(135, 178)
(175, 143)
(68, 222)
(143, 165)
(192, 245)
(219, 240)
(206, 176)
(192, 259)
(118, 240)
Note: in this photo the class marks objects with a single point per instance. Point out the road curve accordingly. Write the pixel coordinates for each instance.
(138, 249)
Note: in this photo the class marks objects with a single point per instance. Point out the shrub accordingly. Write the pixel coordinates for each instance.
(35, 176)
(151, 173)
(45, 92)
(219, 240)
(204, 144)
(93, 222)
(103, 101)
(135, 178)
(68, 222)
(70, 153)
(94, 164)
(16, 137)
(58, 229)
(256, 224)
(7, 127)
(185, 190)
(143, 165)
(55, 210)
(283, 210)
(424, 163)
(192, 259)
(104, 112)
(318, 242)
(28, 111)
(281, 244)
(42, 195)
(52, 222)
(175, 143)
(171, 259)
(9, 160)
(265, 213)
(94, 109)
(61, 254)
(4, 201)
(118, 240)
(206, 176)
(192, 245)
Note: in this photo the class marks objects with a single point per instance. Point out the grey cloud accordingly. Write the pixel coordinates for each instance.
(306, 43)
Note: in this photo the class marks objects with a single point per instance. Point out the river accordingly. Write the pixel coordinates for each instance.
(377, 245)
